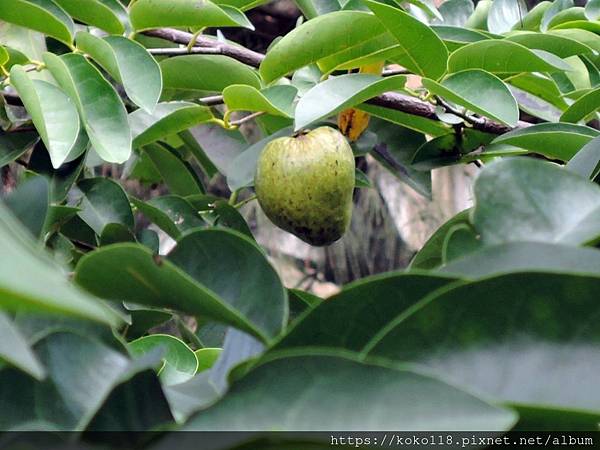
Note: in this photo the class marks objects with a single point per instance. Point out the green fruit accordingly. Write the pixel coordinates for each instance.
(304, 184)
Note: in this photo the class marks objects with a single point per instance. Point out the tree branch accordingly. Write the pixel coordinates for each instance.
(392, 100)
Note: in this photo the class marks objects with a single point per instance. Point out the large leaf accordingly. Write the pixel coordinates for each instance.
(177, 175)
(206, 73)
(127, 62)
(505, 14)
(480, 92)
(338, 93)
(513, 257)
(53, 113)
(13, 145)
(582, 107)
(276, 100)
(555, 140)
(172, 214)
(15, 350)
(417, 123)
(524, 199)
(263, 399)
(44, 16)
(179, 363)
(103, 114)
(562, 46)
(502, 56)
(167, 118)
(104, 14)
(329, 34)
(425, 53)
(147, 14)
(586, 161)
(51, 291)
(352, 317)
(29, 203)
(523, 344)
(212, 287)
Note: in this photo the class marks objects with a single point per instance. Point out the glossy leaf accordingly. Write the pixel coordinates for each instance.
(582, 107)
(147, 14)
(417, 123)
(205, 291)
(104, 14)
(479, 92)
(351, 318)
(52, 111)
(505, 14)
(15, 350)
(104, 202)
(592, 9)
(531, 200)
(561, 45)
(207, 357)
(553, 10)
(586, 161)
(328, 36)
(127, 62)
(506, 346)
(168, 118)
(179, 363)
(555, 140)
(252, 405)
(502, 56)
(51, 292)
(206, 73)
(172, 214)
(276, 100)
(456, 12)
(177, 175)
(44, 16)
(425, 52)
(338, 93)
(101, 110)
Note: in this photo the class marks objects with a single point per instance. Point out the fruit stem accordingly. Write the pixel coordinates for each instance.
(233, 197)
(243, 202)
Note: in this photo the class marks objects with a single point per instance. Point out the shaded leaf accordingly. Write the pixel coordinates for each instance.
(177, 175)
(104, 14)
(15, 350)
(104, 202)
(276, 100)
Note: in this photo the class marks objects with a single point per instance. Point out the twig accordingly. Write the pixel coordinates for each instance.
(237, 123)
(184, 51)
(391, 72)
(211, 100)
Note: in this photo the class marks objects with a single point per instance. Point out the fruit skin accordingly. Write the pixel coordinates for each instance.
(304, 184)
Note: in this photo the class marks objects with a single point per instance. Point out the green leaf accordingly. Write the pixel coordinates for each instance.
(478, 19)
(505, 347)
(417, 123)
(351, 318)
(552, 10)
(313, 8)
(13, 145)
(480, 92)
(568, 16)
(431, 254)
(502, 56)
(172, 214)
(206, 73)
(541, 86)
(524, 199)
(229, 217)
(561, 45)
(301, 382)
(168, 118)
(114, 233)
(29, 203)
(329, 34)
(241, 170)
(338, 93)
(148, 14)
(512, 257)
(425, 53)
(127, 62)
(219, 145)
(104, 202)
(4, 56)
(592, 9)
(53, 113)
(582, 107)
(212, 290)
(242, 5)
(177, 175)
(455, 37)
(555, 140)
(206, 358)
(51, 292)
(586, 161)
(505, 14)
(533, 19)
(104, 14)
(15, 350)
(456, 12)
(44, 16)
(179, 363)
(461, 240)
(102, 112)
(276, 100)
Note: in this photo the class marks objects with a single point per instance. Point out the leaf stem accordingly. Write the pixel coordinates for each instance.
(243, 202)
(234, 196)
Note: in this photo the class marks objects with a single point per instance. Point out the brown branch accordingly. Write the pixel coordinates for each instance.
(242, 54)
